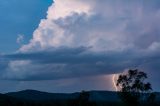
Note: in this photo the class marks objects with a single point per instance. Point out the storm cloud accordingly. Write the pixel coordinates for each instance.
(61, 63)
(87, 38)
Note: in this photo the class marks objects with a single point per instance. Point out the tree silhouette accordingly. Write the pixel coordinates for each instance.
(133, 87)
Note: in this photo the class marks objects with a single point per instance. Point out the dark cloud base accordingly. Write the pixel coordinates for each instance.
(71, 62)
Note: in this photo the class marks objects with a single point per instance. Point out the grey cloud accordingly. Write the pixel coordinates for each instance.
(70, 63)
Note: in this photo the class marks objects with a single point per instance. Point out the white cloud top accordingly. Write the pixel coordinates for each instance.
(104, 26)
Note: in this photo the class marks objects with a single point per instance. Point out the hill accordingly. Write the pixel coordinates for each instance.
(45, 96)
(41, 96)
(38, 98)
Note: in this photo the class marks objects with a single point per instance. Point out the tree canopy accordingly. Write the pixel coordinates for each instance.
(134, 88)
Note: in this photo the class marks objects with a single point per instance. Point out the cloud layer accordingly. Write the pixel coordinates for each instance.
(85, 38)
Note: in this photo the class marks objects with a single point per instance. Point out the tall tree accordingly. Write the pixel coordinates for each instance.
(133, 87)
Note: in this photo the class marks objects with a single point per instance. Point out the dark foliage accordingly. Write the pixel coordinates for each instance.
(134, 90)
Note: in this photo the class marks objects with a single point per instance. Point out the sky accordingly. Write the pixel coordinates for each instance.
(19, 18)
(76, 45)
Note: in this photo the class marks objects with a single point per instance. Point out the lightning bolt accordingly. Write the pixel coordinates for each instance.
(114, 79)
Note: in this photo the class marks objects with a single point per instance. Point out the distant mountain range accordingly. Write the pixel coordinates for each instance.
(44, 96)
(33, 96)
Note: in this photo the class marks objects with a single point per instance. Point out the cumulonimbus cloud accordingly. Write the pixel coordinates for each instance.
(88, 37)
(98, 24)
